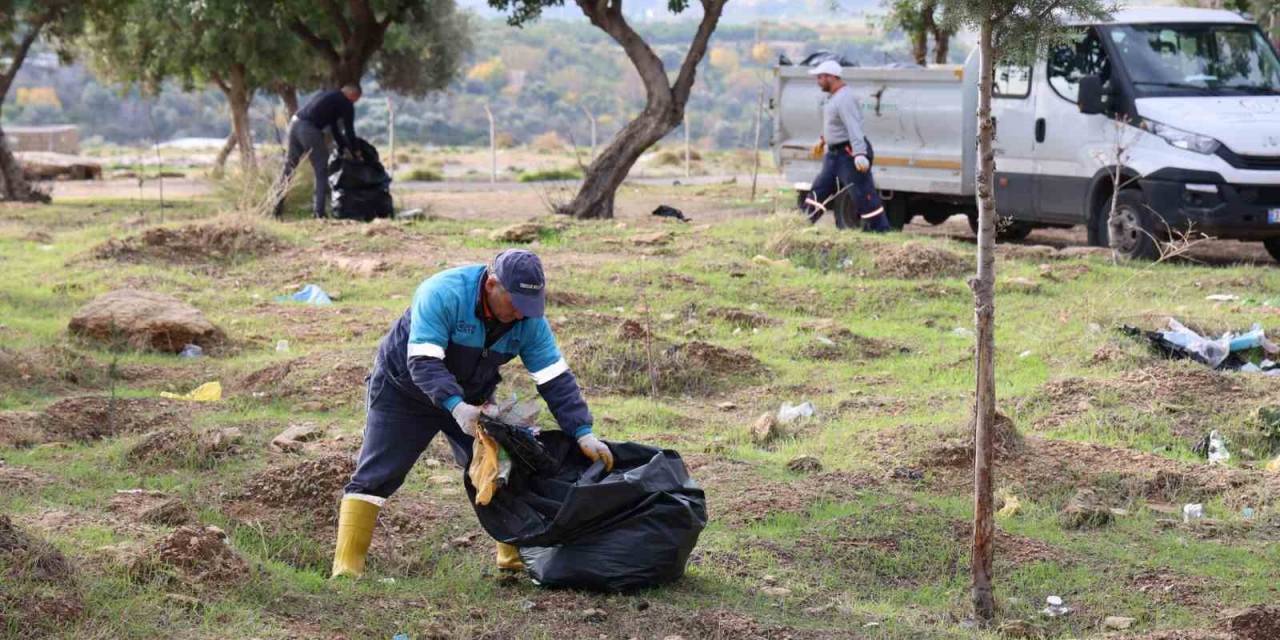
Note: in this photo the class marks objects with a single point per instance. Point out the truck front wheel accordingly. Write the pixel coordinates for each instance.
(1273, 247)
(1129, 228)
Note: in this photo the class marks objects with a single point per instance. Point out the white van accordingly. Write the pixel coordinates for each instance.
(1180, 107)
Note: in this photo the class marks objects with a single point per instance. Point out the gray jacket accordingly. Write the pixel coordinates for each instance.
(842, 120)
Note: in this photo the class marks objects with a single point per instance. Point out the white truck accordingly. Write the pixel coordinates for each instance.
(1178, 107)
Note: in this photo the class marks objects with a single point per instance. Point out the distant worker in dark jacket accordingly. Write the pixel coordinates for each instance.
(435, 371)
(334, 110)
(847, 157)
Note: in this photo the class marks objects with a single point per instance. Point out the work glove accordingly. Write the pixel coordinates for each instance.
(467, 416)
(862, 163)
(596, 450)
(819, 149)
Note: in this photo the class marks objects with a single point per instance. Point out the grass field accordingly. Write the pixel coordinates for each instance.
(869, 329)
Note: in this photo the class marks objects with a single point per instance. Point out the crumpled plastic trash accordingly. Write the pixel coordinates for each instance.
(1011, 505)
(791, 412)
(1198, 347)
(207, 392)
(309, 294)
(1192, 511)
(1218, 453)
(1274, 465)
(1177, 341)
(191, 351)
(1055, 607)
(483, 470)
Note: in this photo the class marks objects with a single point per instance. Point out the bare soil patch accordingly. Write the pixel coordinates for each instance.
(915, 260)
(328, 380)
(151, 507)
(622, 363)
(200, 555)
(310, 487)
(738, 496)
(195, 243)
(97, 417)
(184, 447)
(40, 593)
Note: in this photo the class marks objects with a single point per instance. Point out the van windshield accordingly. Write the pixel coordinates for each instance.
(1197, 59)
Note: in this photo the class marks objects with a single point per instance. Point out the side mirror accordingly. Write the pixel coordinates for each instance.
(1089, 96)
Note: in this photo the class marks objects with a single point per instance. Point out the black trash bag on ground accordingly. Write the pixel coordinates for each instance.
(584, 528)
(361, 189)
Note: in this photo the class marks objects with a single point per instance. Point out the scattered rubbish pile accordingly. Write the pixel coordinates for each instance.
(579, 526)
(1248, 352)
(361, 185)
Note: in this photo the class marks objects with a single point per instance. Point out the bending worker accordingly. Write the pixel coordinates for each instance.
(846, 163)
(435, 369)
(333, 110)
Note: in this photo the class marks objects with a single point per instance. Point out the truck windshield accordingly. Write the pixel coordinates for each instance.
(1197, 59)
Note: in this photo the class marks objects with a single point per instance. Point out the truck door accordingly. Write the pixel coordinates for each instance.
(1064, 136)
(1013, 107)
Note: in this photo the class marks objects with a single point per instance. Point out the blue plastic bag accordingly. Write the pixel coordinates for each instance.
(310, 294)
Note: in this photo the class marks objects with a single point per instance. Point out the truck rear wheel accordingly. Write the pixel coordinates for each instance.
(1273, 247)
(936, 218)
(1129, 228)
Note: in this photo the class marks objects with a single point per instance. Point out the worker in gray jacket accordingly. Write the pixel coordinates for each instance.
(847, 157)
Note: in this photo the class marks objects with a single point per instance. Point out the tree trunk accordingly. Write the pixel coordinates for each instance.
(289, 96)
(13, 185)
(610, 168)
(664, 103)
(941, 45)
(920, 46)
(238, 97)
(983, 287)
(220, 162)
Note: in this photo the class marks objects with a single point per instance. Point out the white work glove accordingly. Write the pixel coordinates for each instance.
(467, 416)
(596, 450)
(862, 163)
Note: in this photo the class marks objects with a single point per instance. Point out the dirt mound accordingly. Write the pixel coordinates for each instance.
(311, 486)
(185, 448)
(144, 320)
(19, 428)
(843, 344)
(191, 244)
(37, 584)
(199, 554)
(25, 556)
(50, 369)
(743, 497)
(743, 318)
(624, 365)
(808, 248)
(328, 380)
(915, 260)
(1198, 394)
(1259, 622)
(151, 507)
(96, 417)
(15, 479)
(957, 451)
(558, 298)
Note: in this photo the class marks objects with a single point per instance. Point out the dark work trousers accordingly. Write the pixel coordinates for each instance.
(397, 431)
(839, 173)
(305, 137)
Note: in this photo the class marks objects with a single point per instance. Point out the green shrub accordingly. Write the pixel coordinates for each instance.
(544, 175)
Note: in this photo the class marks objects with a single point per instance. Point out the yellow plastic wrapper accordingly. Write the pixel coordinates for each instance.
(484, 467)
(207, 392)
(1011, 505)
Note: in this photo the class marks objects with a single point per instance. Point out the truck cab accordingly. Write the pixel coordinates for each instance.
(1156, 124)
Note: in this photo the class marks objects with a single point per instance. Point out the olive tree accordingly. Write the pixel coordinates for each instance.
(665, 96)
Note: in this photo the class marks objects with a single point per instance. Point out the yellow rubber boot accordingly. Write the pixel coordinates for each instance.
(356, 519)
(509, 558)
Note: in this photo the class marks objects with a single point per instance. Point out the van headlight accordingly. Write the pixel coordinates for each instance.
(1182, 139)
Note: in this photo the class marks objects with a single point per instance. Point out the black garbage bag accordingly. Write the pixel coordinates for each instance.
(361, 189)
(581, 527)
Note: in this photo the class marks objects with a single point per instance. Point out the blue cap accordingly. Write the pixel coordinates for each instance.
(520, 273)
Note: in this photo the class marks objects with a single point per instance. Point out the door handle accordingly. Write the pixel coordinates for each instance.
(1040, 125)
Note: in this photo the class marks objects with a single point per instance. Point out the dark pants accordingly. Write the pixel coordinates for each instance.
(305, 137)
(397, 431)
(839, 174)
